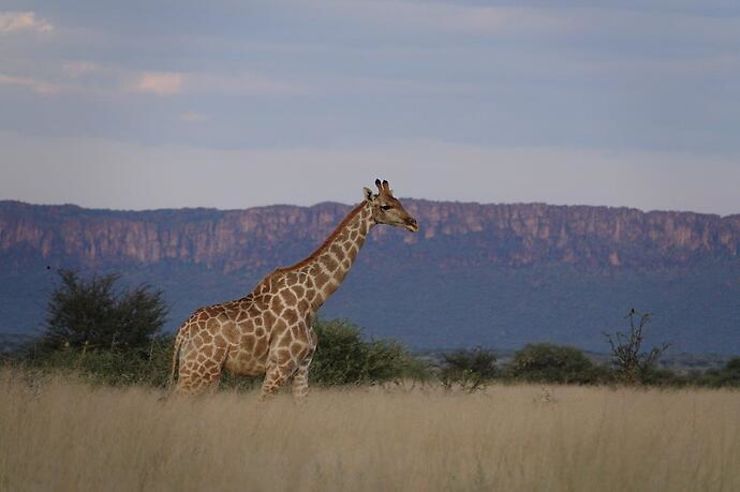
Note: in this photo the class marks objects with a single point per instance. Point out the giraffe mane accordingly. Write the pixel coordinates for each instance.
(327, 241)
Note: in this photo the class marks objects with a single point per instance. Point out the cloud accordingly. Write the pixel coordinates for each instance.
(79, 68)
(11, 22)
(193, 117)
(173, 83)
(38, 86)
(244, 83)
(158, 83)
(82, 76)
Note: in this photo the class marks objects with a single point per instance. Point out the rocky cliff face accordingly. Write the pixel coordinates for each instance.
(493, 275)
(452, 235)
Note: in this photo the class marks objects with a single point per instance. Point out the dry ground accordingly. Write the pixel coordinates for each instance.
(59, 434)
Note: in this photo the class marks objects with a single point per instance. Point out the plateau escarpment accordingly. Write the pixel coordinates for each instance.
(453, 234)
(477, 274)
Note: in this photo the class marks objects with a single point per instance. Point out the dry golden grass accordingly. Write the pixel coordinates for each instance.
(64, 435)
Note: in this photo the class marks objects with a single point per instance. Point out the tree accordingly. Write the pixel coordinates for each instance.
(468, 368)
(548, 363)
(94, 314)
(633, 365)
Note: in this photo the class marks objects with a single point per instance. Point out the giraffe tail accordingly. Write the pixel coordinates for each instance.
(175, 357)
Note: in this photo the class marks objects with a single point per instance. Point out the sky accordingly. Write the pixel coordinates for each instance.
(234, 103)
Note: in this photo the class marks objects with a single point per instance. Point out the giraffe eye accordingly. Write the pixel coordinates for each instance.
(386, 207)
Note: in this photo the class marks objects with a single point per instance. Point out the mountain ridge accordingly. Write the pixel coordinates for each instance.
(597, 235)
(497, 274)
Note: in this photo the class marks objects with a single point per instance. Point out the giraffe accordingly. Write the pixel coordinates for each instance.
(270, 330)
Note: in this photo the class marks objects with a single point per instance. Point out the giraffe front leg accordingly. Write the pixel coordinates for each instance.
(305, 355)
(275, 377)
(280, 367)
(300, 381)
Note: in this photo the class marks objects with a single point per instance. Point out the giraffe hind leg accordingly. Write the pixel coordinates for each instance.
(199, 374)
(210, 377)
(196, 380)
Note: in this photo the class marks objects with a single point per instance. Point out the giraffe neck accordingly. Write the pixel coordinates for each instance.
(328, 266)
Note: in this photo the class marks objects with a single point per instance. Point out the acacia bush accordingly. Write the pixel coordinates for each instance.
(344, 358)
(470, 369)
(95, 314)
(631, 364)
(548, 363)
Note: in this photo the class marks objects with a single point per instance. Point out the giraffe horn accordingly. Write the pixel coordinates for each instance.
(386, 186)
(379, 185)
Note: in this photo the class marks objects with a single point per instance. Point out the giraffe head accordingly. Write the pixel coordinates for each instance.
(387, 209)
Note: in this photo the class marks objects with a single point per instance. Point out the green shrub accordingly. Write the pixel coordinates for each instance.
(468, 368)
(728, 376)
(548, 363)
(655, 376)
(95, 315)
(343, 358)
(113, 367)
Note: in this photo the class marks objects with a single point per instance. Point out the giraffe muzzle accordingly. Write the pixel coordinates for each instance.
(412, 225)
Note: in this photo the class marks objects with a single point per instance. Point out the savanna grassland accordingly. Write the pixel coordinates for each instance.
(58, 433)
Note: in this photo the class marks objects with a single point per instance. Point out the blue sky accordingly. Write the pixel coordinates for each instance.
(232, 104)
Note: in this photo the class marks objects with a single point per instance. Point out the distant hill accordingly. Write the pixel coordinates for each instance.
(499, 275)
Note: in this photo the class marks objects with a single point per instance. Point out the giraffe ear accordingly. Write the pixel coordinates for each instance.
(368, 194)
